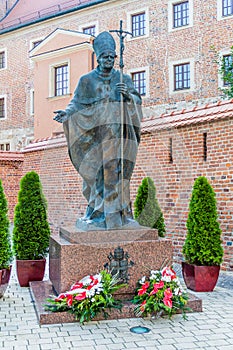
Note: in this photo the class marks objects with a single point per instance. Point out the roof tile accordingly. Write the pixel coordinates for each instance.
(198, 114)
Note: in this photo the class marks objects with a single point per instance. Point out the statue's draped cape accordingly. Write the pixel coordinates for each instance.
(93, 133)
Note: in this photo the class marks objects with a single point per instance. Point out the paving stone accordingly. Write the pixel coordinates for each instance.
(217, 342)
(210, 330)
(49, 347)
(119, 346)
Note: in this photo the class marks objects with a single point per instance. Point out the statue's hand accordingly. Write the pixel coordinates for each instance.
(60, 116)
(123, 89)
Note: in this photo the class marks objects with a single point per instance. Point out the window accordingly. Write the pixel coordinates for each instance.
(181, 14)
(90, 30)
(5, 147)
(227, 7)
(32, 100)
(139, 24)
(36, 43)
(139, 80)
(140, 77)
(61, 80)
(2, 60)
(182, 76)
(2, 108)
(228, 67)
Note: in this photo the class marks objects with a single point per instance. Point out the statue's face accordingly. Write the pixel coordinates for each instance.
(106, 60)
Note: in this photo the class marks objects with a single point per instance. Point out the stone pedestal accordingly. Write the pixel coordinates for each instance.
(75, 254)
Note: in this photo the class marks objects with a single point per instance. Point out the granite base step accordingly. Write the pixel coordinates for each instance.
(40, 291)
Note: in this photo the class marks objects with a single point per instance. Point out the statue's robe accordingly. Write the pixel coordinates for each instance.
(93, 133)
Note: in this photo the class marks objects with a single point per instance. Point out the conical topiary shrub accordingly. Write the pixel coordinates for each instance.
(203, 241)
(146, 207)
(6, 255)
(31, 229)
(202, 248)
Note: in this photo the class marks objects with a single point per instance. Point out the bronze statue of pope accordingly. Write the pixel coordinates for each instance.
(92, 126)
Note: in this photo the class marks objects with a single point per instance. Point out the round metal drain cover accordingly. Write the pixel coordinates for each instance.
(139, 330)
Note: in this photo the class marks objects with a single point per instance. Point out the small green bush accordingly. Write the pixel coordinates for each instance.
(31, 229)
(6, 254)
(203, 241)
(146, 207)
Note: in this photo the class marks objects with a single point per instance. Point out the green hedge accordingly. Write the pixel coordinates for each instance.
(203, 241)
(146, 207)
(31, 229)
(6, 254)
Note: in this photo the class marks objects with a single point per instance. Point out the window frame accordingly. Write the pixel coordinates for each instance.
(184, 19)
(220, 15)
(90, 27)
(141, 79)
(140, 19)
(52, 76)
(90, 24)
(4, 51)
(35, 40)
(171, 71)
(5, 143)
(5, 107)
(32, 102)
(130, 14)
(221, 84)
(225, 84)
(31, 47)
(183, 79)
(231, 5)
(61, 77)
(147, 85)
(171, 4)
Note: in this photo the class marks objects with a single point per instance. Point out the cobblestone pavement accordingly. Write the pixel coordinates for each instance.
(211, 329)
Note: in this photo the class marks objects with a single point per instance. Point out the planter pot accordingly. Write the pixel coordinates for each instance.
(30, 270)
(200, 278)
(4, 280)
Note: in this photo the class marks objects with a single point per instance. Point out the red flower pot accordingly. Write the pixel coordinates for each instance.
(4, 280)
(200, 278)
(30, 270)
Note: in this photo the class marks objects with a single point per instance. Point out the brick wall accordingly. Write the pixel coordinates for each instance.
(63, 186)
(174, 181)
(11, 170)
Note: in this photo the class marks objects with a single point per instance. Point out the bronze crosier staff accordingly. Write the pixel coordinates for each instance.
(122, 34)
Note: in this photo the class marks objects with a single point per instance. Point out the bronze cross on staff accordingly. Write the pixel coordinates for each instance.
(121, 34)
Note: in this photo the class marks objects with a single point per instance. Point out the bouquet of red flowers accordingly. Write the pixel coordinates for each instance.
(160, 293)
(88, 297)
